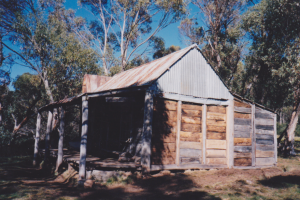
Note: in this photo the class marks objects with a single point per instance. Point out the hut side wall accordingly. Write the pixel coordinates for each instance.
(243, 134)
(190, 146)
(265, 141)
(164, 129)
(216, 143)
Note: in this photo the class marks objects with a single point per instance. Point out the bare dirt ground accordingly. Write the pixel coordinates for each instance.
(18, 180)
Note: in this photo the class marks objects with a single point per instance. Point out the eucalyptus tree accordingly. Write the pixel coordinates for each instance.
(48, 47)
(127, 27)
(221, 37)
(273, 26)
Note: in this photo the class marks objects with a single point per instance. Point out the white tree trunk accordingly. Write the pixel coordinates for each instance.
(290, 132)
(47, 136)
(60, 152)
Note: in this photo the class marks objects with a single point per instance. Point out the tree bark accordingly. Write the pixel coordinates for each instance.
(289, 132)
(60, 152)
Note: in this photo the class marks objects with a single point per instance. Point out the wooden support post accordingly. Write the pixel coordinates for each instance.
(147, 132)
(60, 152)
(253, 134)
(47, 136)
(178, 131)
(230, 133)
(204, 109)
(275, 137)
(83, 143)
(37, 139)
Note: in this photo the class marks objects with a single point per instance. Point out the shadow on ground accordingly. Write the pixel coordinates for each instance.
(19, 180)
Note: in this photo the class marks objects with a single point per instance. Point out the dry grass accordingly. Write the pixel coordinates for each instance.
(19, 181)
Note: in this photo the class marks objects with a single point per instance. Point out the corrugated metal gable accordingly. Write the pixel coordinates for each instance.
(193, 76)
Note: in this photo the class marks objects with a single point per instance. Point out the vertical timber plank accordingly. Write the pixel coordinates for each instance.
(37, 138)
(147, 131)
(60, 152)
(83, 143)
(275, 137)
(47, 136)
(204, 109)
(178, 131)
(253, 135)
(230, 132)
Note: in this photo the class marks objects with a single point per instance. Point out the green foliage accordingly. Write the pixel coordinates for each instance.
(273, 61)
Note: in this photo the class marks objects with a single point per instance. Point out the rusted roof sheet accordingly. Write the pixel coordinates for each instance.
(144, 74)
(92, 82)
(68, 100)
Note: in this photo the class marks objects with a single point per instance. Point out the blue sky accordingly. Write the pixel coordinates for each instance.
(169, 34)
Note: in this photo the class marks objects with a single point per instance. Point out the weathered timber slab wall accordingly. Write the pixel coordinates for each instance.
(265, 141)
(215, 151)
(164, 132)
(243, 134)
(190, 146)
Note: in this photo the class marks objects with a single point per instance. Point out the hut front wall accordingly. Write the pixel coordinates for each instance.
(164, 129)
(191, 142)
(216, 143)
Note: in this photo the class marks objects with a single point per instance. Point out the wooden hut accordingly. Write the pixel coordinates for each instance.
(173, 113)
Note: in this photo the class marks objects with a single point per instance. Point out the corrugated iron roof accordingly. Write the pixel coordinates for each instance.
(144, 74)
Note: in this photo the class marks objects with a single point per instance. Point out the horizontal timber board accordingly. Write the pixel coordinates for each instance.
(187, 166)
(265, 137)
(242, 155)
(215, 144)
(243, 128)
(215, 153)
(165, 105)
(242, 162)
(190, 136)
(215, 136)
(242, 122)
(241, 134)
(265, 127)
(185, 106)
(261, 131)
(216, 161)
(190, 153)
(219, 129)
(264, 121)
(194, 160)
(190, 127)
(260, 115)
(265, 161)
(242, 115)
(241, 104)
(263, 141)
(264, 147)
(216, 109)
(190, 145)
(264, 154)
(243, 149)
(242, 110)
(191, 120)
(242, 142)
(216, 116)
(214, 122)
(191, 113)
